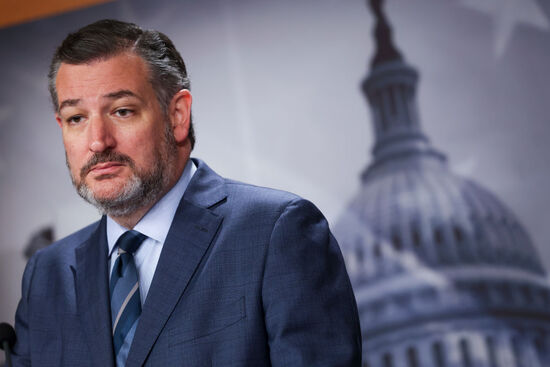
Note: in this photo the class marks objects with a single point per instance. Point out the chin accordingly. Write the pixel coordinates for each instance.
(105, 192)
(107, 188)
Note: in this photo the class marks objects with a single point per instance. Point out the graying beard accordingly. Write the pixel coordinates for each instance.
(137, 192)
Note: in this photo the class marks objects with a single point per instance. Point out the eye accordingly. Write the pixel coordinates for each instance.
(75, 119)
(123, 112)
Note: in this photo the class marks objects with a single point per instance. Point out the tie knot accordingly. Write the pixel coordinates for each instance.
(130, 241)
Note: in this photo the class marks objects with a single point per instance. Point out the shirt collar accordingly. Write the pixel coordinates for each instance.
(157, 221)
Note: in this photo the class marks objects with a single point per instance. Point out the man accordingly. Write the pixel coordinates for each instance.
(185, 268)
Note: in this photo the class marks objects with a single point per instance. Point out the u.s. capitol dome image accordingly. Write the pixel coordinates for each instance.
(444, 273)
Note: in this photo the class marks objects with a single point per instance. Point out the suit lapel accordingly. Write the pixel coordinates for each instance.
(191, 232)
(92, 295)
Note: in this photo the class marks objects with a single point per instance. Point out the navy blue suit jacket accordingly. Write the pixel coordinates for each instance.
(248, 276)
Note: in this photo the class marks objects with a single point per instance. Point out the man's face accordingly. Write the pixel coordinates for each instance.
(118, 142)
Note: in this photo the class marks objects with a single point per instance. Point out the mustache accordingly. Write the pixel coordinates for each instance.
(104, 157)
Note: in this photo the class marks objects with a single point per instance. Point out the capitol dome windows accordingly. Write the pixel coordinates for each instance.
(377, 252)
(412, 357)
(438, 354)
(396, 240)
(527, 295)
(387, 360)
(541, 347)
(459, 236)
(517, 351)
(438, 236)
(465, 353)
(415, 235)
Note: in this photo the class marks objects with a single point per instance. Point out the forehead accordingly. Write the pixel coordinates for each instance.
(123, 71)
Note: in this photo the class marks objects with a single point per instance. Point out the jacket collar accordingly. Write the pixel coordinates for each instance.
(191, 233)
(91, 280)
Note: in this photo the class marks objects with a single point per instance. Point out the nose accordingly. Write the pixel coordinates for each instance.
(100, 135)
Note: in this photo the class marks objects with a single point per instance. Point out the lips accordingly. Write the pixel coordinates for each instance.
(107, 168)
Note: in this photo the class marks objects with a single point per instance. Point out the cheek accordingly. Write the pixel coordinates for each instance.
(73, 165)
(74, 155)
(143, 146)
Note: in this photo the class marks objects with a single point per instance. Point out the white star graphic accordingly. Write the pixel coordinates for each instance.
(506, 15)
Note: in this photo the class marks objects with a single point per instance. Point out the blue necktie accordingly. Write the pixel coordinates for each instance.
(125, 299)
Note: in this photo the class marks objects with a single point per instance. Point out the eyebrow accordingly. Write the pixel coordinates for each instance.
(114, 95)
(121, 94)
(68, 103)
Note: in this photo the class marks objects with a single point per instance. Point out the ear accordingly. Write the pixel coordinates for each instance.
(180, 114)
(58, 119)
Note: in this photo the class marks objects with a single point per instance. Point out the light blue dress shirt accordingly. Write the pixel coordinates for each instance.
(155, 225)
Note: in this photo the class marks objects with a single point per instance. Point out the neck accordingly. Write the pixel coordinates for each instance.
(130, 221)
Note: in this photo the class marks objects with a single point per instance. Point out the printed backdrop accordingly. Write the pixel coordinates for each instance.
(277, 102)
